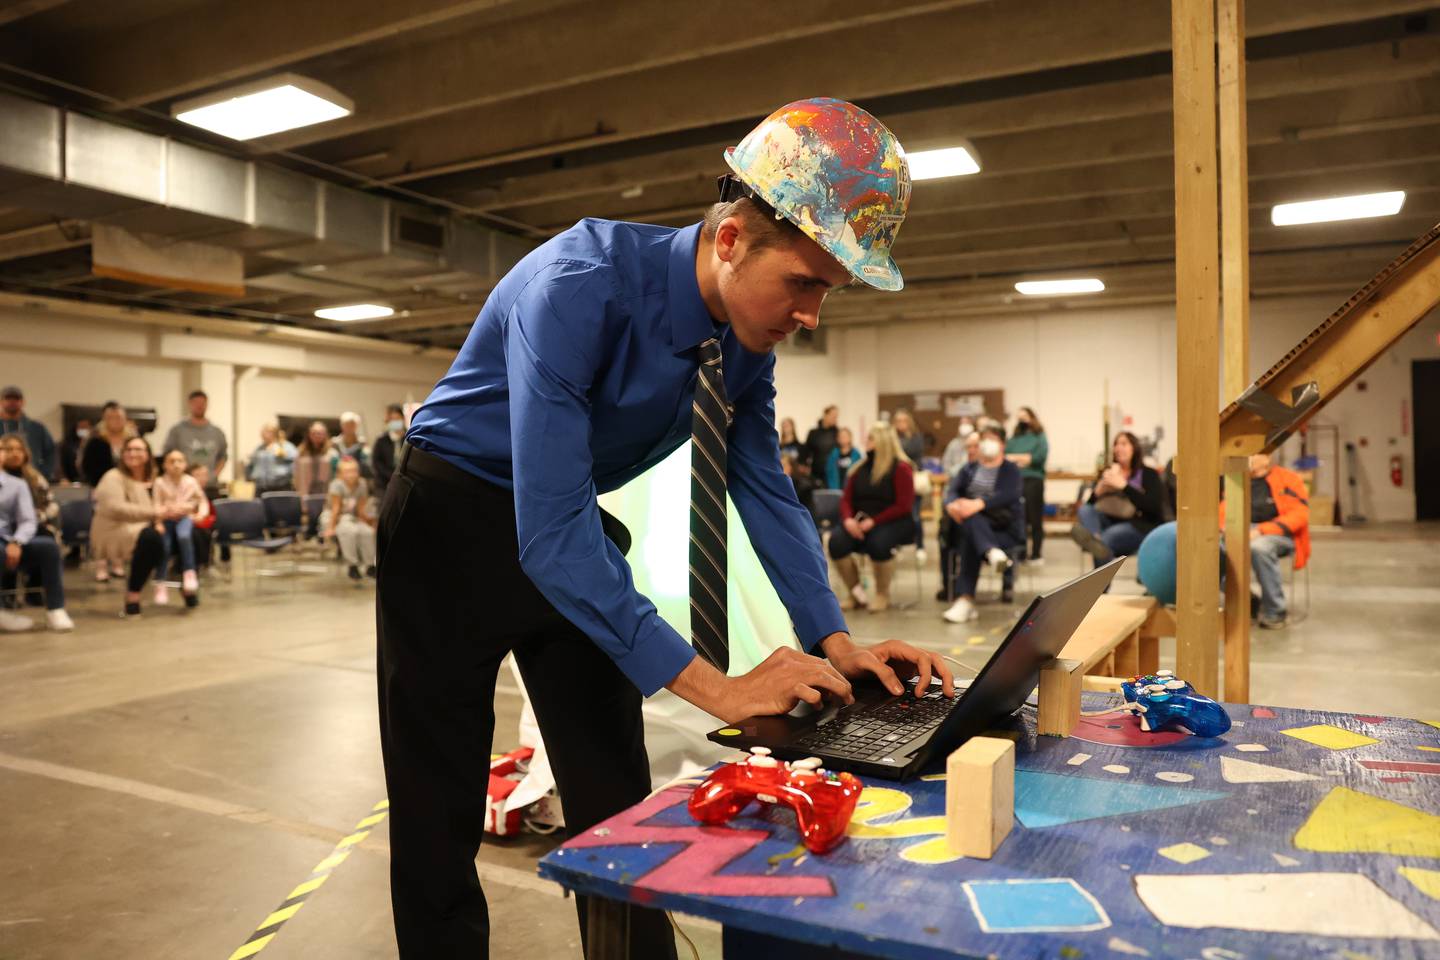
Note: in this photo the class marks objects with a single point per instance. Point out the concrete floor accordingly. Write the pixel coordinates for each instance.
(167, 781)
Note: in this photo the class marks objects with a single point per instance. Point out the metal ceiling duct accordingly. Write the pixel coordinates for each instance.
(72, 165)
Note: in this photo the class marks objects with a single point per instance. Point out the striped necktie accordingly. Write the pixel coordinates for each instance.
(711, 418)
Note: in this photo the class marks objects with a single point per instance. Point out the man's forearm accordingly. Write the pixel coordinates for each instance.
(699, 683)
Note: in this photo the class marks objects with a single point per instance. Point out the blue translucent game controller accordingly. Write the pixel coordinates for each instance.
(1165, 703)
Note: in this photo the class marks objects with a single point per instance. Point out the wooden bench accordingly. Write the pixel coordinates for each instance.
(1120, 638)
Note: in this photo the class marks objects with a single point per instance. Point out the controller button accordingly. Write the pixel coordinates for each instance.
(760, 751)
(765, 798)
(1164, 673)
(809, 763)
(1175, 685)
(764, 762)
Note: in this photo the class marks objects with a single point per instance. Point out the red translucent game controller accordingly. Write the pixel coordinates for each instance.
(823, 801)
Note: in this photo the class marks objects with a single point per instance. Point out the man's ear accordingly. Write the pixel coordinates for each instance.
(728, 238)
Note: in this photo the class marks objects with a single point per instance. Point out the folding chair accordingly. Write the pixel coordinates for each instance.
(242, 523)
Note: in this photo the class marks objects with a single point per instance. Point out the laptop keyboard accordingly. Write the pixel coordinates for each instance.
(873, 733)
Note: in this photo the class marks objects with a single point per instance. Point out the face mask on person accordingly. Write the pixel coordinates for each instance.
(966, 429)
(83, 433)
(990, 449)
(1022, 426)
(395, 426)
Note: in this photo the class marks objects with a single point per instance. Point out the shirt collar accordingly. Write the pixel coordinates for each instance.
(690, 320)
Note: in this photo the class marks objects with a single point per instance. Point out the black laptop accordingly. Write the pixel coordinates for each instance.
(894, 738)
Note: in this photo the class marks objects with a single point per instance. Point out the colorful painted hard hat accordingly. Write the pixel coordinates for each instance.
(838, 174)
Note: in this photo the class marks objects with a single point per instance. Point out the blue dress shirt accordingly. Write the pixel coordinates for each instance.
(17, 510)
(577, 377)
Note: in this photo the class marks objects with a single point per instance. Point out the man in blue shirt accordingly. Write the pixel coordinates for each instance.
(579, 375)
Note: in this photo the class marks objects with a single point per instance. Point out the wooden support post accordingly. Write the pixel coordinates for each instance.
(1235, 273)
(1197, 294)
(1127, 656)
(980, 796)
(1060, 684)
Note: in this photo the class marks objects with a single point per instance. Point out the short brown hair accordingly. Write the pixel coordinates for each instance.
(766, 229)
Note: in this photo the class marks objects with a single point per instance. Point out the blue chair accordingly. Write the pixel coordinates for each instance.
(313, 504)
(283, 512)
(825, 507)
(75, 519)
(242, 523)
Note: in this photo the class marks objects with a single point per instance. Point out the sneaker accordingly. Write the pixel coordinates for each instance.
(370, 571)
(1271, 623)
(920, 555)
(117, 569)
(14, 623)
(999, 560)
(961, 611)
(102, 574)
(1035, 562)
(354, 572)
(858, 594)
(192, 600)
(1007, 594)
(189, 581)
(131, 609)
(1091, 544)
(162, 595)
(59, 620)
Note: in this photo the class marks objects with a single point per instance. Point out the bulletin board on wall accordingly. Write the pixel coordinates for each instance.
(937, 413)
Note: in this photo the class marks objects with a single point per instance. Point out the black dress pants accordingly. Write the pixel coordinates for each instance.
(452, 600)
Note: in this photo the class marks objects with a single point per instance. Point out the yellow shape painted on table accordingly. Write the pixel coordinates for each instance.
(876, 803)
(1426, 881)
(1348, 821)
(1433, 723)
(1431, 749)
(1326, 735)
(1184, 852)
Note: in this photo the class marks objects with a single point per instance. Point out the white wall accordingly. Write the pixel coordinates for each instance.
(59, 359)
(1058, 361)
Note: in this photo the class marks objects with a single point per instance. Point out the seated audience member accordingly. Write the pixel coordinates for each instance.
(26, 549)
(1128, 501)
(204, 520)
(272, 465)
(312, 461)
(15, 460)
(35, 434)
(842, 458)
(350, 444)
(176, 488)
(789, 443)
(351, 519)
(1279, 526)
(821, 438)
(982, 503)
(875, 517)
(801, 479)
(70, 450)
(126, 518)
(1028, 449)
(386, 451)
(913, 443)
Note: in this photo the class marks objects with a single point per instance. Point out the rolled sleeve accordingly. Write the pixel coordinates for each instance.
(781, 530)
(555, 339)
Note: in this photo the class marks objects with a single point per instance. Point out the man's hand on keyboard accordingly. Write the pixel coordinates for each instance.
(854, 661)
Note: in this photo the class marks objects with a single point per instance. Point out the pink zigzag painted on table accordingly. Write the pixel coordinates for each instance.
(694, 869)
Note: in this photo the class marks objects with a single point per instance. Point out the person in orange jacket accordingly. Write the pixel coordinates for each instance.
(1279, 526)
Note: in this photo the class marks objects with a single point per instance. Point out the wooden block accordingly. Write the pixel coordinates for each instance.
(1127, 656)
(1060, 684)
(979, 796)
(1107, 666)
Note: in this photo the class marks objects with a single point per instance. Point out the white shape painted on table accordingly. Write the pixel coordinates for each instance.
(1117, 945)
(1252, 748)
(1235, 770)
(1171, 776)
(1078, 759)
(1316, 904)
(1116, 768)
(1220, 841)
(1285, 861)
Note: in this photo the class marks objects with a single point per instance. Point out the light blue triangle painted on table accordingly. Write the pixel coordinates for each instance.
(1050, 799)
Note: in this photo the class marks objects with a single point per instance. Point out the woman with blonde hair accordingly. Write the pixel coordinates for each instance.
(875, 517)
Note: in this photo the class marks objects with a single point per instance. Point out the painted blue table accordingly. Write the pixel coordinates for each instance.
(1298, 834)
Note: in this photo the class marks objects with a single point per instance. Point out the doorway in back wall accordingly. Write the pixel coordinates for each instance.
(1425, 389)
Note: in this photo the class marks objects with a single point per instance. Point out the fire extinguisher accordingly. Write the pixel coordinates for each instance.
(1397, 472)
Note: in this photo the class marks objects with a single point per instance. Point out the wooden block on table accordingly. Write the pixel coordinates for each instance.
(980, 796)
(1060, 685)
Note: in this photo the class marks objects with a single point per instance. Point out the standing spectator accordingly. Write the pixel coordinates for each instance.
(842, 458)
(70, 451)
(913, 443)
(1028, 449)
(350, 444)
(875, 517)
(386, 451)
(312, 461)
(789, 441)
(272, 465)
(983, 505)
(37, 436)
(199, 439)
(1128, 501)
(28, 548)
(176, 488)
(124, 528)
(1279, 526)
(351, 519)
(821, 438)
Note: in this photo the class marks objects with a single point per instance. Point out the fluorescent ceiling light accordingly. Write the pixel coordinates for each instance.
(355, 311)
(1338, 208)
(264, 107)
(1051, 288)
(949, 162)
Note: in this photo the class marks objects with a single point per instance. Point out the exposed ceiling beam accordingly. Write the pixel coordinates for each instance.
(229, 41)
(689, 95)
(20, 9)
(597, 42)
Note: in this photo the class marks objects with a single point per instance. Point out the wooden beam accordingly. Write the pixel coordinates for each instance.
(1197, 296)
(20, 9)
(1235, 279)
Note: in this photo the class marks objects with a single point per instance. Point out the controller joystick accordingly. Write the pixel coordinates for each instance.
(1167, 703)
(823, 801)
